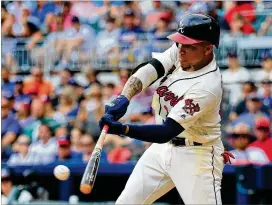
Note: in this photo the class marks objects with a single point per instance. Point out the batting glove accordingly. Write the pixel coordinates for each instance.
(116, 128)
(117, 108)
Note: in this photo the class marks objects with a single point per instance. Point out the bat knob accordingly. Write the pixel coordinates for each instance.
(85, 188)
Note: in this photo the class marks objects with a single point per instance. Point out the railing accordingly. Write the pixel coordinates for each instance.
(249, 51)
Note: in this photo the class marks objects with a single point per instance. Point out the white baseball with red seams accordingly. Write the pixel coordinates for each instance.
(193, 100)
(61, 172)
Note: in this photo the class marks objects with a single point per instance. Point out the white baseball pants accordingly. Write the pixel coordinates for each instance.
(196, 172)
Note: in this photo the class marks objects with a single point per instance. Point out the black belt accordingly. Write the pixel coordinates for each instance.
(181, 142)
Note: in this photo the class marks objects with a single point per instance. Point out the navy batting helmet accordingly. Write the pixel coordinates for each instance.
(196, 28)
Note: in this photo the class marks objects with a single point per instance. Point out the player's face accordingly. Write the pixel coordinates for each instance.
(192, 55)
(241, 142)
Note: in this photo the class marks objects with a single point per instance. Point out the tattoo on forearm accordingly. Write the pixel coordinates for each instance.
(132, 87)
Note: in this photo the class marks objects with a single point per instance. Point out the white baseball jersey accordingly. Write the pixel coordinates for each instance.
(193, 100)
(190, 98)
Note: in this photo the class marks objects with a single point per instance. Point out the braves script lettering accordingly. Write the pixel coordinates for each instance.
(168, 95)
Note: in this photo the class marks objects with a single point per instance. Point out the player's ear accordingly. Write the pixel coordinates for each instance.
(208, 49)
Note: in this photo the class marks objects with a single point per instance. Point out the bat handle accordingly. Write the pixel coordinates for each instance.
(105, 128)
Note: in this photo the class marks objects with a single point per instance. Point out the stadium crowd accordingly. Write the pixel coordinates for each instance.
(53, 116)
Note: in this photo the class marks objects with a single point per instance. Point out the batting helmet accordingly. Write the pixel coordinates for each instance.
(196, 28)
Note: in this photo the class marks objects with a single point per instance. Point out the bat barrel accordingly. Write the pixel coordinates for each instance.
(90, 172)
(86, 188)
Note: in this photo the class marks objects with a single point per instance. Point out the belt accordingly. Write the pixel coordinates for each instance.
(183, 142)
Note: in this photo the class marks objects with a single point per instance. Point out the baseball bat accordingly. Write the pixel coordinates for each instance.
(89, 176)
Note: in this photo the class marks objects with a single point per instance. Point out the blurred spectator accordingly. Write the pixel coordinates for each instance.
(213, 10)
(264, 141)
(239, 26)
(11, 101)
(130, 32)
(68, 103)
(29, 28)
(37, 83)
(234, 76)
(241, 138)
(21, 99)
(107, 40)
(153, 12)
(91, 110)
(23, 114)
(87, 146)
(244, 8)
(7, 85)
(119, 155)
(11, 194)
(38, 113)
(162, 29)
(247, 89)
(93, 97)
(65, 75)
(51, 112)
(79, 41)
(253, 111)
(51, 46)
(46, 146)
(88, 10)
(79, 90)
(108, 92)
(64, 152)
(266, 27)
(267, 94)
(91, 75)
(124, 75)
(75, 139)
(20, 23)
(23, 157)
(65, 15)
(43, 9)
(182, 9)
(10, 127)
(61, 131)
(266, 72)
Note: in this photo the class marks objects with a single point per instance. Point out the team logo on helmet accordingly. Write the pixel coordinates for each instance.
(181, 28)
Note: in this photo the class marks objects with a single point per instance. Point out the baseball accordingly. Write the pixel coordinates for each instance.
(61, 172)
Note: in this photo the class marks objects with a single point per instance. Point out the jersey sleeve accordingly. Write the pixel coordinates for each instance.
(167, 58)
(192, 107)
(152, 71)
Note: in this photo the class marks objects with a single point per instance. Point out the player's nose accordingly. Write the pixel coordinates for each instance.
(181, 50)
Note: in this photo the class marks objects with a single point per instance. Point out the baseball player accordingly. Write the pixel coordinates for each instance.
(187, 149)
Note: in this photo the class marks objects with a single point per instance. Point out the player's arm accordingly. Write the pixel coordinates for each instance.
(181, 117)
(149, 133)
(143, 76)
(154, 69)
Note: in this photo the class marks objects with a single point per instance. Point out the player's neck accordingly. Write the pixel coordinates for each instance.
(202, 63)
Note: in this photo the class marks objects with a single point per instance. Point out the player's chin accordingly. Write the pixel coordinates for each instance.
(184, 63)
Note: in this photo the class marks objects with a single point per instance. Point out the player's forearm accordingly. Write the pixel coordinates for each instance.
(155, 133)
(132, 87)
(144, 75)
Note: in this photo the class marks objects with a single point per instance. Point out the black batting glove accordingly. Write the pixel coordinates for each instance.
(117, 108)
(116, 128)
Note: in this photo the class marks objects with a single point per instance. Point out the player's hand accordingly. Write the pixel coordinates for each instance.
(117, 108)
(116, 128)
